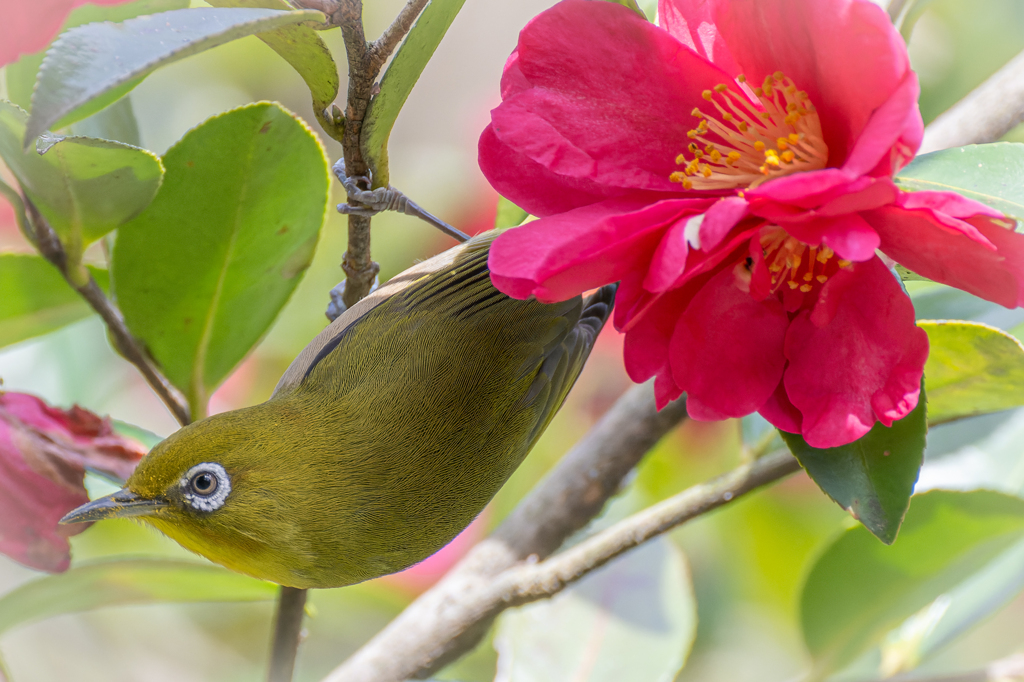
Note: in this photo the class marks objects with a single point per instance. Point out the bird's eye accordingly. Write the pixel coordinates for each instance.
(206, 486)
(204, 483)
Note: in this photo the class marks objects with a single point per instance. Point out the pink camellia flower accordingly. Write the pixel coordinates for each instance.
(733, 168)
(44, 452)
(28, 26)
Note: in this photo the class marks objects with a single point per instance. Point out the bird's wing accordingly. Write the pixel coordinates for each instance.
(549, 343)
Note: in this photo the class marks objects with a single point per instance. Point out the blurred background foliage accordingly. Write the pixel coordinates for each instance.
(747, 562)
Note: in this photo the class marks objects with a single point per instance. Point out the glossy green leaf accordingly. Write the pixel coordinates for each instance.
(90, 61)
(634, 619)
(301, 47)
(859, 589)
(972, 369)
(36, 299)
(508, 214)
(116, 583)
(872, 477)
(21, 75)
(990, 173)
(398, 80)
(83, 186)
(203, 272)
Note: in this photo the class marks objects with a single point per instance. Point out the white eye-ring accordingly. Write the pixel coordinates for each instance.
(205, 486)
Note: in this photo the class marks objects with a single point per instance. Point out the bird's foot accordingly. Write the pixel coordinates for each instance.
(370, 202)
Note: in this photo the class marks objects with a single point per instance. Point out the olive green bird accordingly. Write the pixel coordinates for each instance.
(384, 439)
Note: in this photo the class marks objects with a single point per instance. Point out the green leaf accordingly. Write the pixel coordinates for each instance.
(508, 214)
(83, 186)
(21, 75)
(634, 619)
(203, 272)
(990, 173)
(301, 47)
(872, 477)
(36, 298)
(398, 80)
(97, 59)
(136, 581)
(972, 369)
(858, 589)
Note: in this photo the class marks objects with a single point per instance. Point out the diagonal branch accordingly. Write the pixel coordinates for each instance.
(46, 241)
(986, 114)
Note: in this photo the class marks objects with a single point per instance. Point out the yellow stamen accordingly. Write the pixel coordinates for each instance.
(737, 137)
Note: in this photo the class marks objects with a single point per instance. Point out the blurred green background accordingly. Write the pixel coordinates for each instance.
(747, 561)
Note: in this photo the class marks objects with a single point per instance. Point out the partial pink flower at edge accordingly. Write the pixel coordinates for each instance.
(44, 452)
(739, 188)
(27, 26)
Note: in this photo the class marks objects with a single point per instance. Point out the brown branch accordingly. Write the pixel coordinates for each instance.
(443, 622)
(382, 48)
(46, 240)
(527, 583)
(986, 114)
(291, 603)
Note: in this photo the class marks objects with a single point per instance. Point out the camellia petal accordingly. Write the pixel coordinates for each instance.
(861, 366)
(530, 185)
(916, 240)
(727, 350)
(692, 24)
(564, 255)
(812, 43)
(593, 105)
(795, 160)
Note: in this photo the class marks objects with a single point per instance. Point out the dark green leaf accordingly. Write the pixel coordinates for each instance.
(633, 619)
(84, 187)
(508, 214)
(398, 80)
(872, 477)
(93, 60)
(203, 272)
(972, 369)
(36, 299)
(990, 173)
(859, 589)
(115, 583)
(301, 47)
(21, 75)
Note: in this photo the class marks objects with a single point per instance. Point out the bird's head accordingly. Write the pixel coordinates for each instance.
(208, 486)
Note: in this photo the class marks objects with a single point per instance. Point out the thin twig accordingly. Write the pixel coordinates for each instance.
(291, 603)
(527, 583)
(46, 240)
(986, 114)
(382, 48)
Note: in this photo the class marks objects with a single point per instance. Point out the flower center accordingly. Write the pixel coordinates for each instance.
(795, 264)
(752, 142)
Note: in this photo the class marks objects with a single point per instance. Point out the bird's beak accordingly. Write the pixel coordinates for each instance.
(119, 505)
